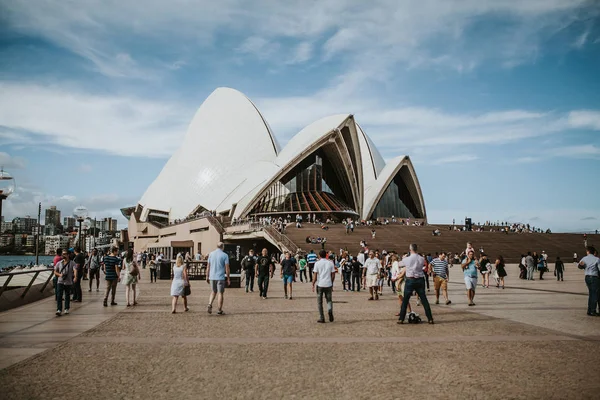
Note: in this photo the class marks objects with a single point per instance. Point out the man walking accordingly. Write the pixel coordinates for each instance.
(559, 268)
(248, 264)
(530, 264)
(441, 276)
(415, 281)
(311, 258)
(356, 274)
(94, 269)
(112, 272)
(216, 272)
(265, 268)
(323, 279)
(591, 265)
(79, 265)
(288, 272)
(470, 266)
(372, 272)
(64, 271)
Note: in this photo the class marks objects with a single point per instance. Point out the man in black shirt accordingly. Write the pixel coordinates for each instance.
(79, 265)
(356, 274)
(288, 273)
(249, 264)
(264, 270)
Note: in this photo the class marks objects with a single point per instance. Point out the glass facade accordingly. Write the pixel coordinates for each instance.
(313, 186)
(397, 199)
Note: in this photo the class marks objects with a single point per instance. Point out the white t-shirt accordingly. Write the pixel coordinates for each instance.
(414, 266)
(324, 268)
(372, 266)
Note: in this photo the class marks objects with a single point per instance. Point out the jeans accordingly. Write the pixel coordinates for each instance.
(593, 284)
(418, 285)
(542, 270)
(311, 266)
(559, 275)
(55, 283)
(111, 285)
(250, 280)
(153, 274)
(356, 282)
(263, 285)
(66, 291)
(303, 272)
(347, 278)
(327, 291)
(77, 289)
(427, 280)
(529, 273)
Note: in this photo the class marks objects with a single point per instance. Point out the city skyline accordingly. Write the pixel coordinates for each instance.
(496, 103)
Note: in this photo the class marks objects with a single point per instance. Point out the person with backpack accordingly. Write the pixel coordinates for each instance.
(93, 266)
(65, 271)
(248, 264)
(302, 264)
(130, 277)
(346, 265)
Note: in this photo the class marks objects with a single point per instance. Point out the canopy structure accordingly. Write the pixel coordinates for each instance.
(230, 162)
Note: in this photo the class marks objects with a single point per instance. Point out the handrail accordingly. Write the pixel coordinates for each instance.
(216, 223)
(283, 239)
(35, 273)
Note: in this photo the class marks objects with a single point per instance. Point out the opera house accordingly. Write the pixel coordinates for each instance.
(231, 163)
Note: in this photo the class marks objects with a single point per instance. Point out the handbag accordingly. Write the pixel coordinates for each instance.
(134, 270)
(187, 290)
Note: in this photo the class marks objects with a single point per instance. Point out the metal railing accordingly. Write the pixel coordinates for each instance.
(281, 238)
(35, 273)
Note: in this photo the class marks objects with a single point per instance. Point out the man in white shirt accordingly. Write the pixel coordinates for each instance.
(323, 275)
(372, 265)
(415, 281)
(591, 264)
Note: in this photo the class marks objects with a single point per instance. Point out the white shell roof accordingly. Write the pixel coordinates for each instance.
(229, 156)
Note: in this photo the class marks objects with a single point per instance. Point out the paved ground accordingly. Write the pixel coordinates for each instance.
(531, 340)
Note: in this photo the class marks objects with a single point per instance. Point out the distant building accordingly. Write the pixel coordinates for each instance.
(52, 216)
(69, 222)
(30, 241)
(112, 224)
(56, 242)
(6, 239)
(51, 230)
(6, 227)
(23, 224)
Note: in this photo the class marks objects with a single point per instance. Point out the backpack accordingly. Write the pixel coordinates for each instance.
(413, 318)
(133, 269)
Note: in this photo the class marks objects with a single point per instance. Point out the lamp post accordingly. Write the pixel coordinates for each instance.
(86, 227)
(7, 187)
(81, 213)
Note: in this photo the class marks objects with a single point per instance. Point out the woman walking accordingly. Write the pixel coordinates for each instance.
(130, 278)
(152, 265)
(500, 271)
(179, 277)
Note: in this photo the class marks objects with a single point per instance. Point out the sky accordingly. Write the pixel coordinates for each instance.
(496, 102)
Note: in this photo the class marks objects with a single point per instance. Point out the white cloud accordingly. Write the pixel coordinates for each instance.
(455, 159)
(260, 47)
(71, 118)
(589, 119)
(302, 53)
(7, 161)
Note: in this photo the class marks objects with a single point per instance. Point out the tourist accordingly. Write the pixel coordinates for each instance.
(415, 282)
(346, 266)
(288, 272)
(441, 277)
(541, 266)
(265, 268)
(130, 277)
(469, 248)
(152, 266)
(302, 264)
(399, 280)
(111, 267)
(373, 233)
(470, 265)
(57, 258)
(93, 266)
(500, 271)
(144, 260)
(64, 270)
(323, 278)
(179, 278)
(559, 268)
(591, 265)
(217, 271)
(371, 273)
(530, 265)
(485, 269)
(249, 264)
(356, 274)
(79, 265)
(311, 258)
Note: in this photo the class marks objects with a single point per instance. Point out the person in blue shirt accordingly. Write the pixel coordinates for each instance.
(470, 265)
(216, 272)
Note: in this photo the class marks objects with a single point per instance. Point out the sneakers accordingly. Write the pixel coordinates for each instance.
(66, 311)
(105, 304)
(209, 309)
(437, 302)
(448, 302)
(220, 312)
(330, 316)
(58, 313)
(113, 304)
(321, 321)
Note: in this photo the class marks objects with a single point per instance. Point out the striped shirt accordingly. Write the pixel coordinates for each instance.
(311, 258)
(440, 267)
(110, 267)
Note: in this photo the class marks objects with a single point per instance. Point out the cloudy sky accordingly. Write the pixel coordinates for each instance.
(497, 102)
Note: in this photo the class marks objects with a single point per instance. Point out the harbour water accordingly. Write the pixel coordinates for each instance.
(8, 261)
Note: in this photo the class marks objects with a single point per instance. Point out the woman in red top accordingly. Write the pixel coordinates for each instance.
(56, 259)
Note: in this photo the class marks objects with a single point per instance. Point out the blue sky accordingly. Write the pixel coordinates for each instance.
(496, 102)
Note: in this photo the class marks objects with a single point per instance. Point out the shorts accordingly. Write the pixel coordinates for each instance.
(95, 273)
(470, 282)
(439, 282)
(288, 279)
(217, 286)
(372, 280)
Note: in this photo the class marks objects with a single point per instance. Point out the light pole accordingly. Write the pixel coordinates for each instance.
(81, 213)
(86, 227)
(7, 186)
